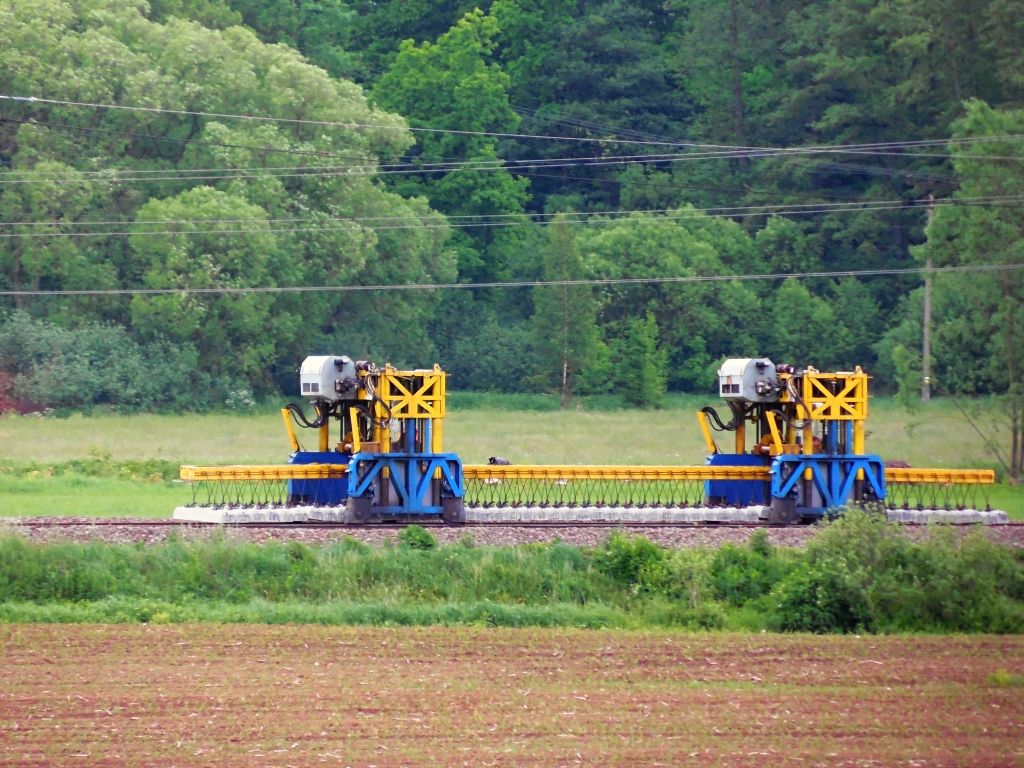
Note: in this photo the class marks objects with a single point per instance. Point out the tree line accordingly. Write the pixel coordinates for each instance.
(405, 152)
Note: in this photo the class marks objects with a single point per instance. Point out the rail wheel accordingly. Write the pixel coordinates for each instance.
(358, 510)
(783, 512)
(453, 510)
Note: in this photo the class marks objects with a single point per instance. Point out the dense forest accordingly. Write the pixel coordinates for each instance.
(613, 195)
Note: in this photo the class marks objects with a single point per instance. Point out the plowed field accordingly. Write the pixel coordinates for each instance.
(296, 695)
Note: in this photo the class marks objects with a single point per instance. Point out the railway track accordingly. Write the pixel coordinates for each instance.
(55, 522)
(673, 535)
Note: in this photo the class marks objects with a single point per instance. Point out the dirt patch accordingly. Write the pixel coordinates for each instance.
(297, 695)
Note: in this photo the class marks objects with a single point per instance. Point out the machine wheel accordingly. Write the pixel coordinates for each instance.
(453, 510)
(358, 510)
(783, 512)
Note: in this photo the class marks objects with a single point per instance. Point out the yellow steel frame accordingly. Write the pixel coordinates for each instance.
(607, 472)
(905, 475)
(409, 395)
(263, 472)
(423, 400)
(818, 402)
(705, 428)
(573, 472)
(850, 403)
(293, 441)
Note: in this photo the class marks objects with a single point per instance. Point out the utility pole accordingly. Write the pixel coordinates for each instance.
(926, 343)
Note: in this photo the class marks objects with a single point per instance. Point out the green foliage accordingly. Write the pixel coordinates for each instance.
(455, 84)
(634, 562)
(570, 355)
(979, 339)
(417, 537)
(213, 231)
(1003, 678)
(633, 80)
(863, 574)
(97, 464)
(743, 574)
(642, 366)
(49, 366)
(859, 574)
(698, 323)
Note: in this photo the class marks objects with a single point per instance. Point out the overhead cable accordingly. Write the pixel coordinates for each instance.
(356, 225)
(350, 288)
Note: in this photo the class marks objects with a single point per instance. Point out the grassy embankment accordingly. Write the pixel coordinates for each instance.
(859, 574)
(117, 466)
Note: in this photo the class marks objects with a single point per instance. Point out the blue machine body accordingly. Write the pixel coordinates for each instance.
(736, 493)
(331, 492)
(406, 483)
(833, 479)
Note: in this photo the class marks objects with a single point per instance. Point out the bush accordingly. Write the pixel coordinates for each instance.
(742, 574)
(863, 573)
(417, 537)
(634, 562)
(819, 600)
(43, 365)
(858, 574)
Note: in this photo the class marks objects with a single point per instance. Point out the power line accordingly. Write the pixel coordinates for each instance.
(868, 170)
(584, 218)
(368, 168)
(521, 168)
(738, 151)
(330, 123)
(33, 123)
(509, 219)
(681, 279)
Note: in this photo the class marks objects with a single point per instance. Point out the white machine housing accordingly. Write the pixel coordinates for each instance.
(750, 379)
(328, 377)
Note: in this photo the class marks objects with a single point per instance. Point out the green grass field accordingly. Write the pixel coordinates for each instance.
(935, 435)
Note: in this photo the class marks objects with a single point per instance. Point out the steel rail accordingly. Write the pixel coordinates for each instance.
(54, 522)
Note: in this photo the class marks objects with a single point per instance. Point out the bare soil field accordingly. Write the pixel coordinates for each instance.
(210, 695)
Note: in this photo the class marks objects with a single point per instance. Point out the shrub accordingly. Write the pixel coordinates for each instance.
(863, 573)
(742, 574)
(416, 537)
(634, 562)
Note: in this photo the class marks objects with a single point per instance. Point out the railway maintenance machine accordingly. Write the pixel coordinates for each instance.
(806, 427)
(796, 452)
(378, 452)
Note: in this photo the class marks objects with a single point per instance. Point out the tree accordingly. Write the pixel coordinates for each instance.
(858, 324)
(41, 255)
(640, 364)
(803, 327)
(323, 30)
(698, 322)
(229, 331)
(786, 248)
(733, 66)
(209, 202)
(564, 322)
(984, 332)
(454, 85)
(596, 70)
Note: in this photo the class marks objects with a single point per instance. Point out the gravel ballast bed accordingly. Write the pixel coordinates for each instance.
(134, 531)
